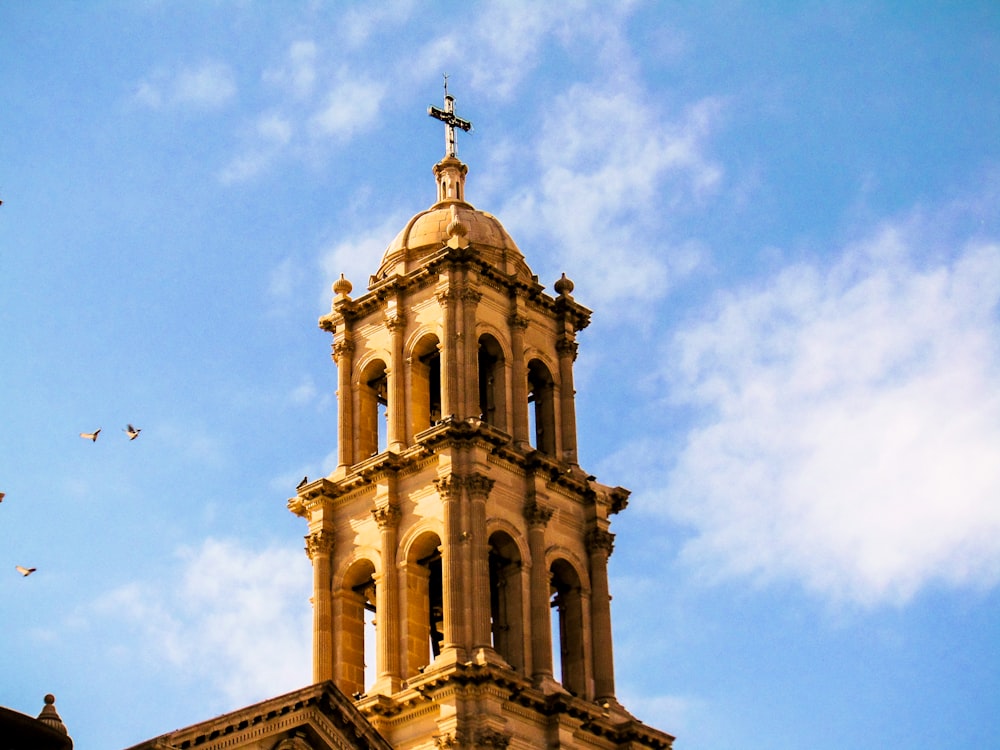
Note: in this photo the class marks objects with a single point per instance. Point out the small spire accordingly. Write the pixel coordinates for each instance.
(50, 717)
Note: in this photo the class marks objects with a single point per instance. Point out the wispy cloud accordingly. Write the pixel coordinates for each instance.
(611, 165)
(357, 257)
(851, 424)
(233, 617)
(207, 86)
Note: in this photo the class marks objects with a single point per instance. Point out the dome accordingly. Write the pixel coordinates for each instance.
(451, 222)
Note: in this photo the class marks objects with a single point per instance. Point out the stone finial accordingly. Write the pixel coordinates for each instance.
(342, 286)
(50, 717)
(564, 286)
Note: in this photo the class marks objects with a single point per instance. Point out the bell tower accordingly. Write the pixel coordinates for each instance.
(458, 530)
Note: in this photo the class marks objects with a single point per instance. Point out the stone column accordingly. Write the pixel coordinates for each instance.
(470, 349)
(450, 490)
(567, 399)
(319, 547)
(479, 487)
(600, 544)
(519, 378)
(396, 429)
(343, 355)
(449, 368)
(387, 603)
(541, 625)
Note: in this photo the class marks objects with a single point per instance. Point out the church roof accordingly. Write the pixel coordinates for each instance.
(319, 717)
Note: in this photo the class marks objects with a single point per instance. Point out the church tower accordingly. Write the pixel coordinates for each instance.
(458, 519)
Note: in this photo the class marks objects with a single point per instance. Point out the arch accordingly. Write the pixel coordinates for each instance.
(507, 598)
(425, 383)
(567, 599)
(422, 600)
(541, 406)
(373, 402)
(352, 598)
(492, 381)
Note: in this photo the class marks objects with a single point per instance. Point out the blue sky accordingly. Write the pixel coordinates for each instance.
(785, 216)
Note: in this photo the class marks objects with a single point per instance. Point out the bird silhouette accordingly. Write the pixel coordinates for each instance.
(2, 496)
(92, 436)
(132, 432)
(299, 486)
(24, 571)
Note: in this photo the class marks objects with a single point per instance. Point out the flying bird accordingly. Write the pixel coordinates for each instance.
(132, 432)
(92, 436)
(24, 571)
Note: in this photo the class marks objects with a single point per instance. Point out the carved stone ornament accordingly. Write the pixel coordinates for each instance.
(537, 515)
(446, 741)
(517, 321)
(479, 485)
(449, 487)
(489, 737)
(293, 743)
(341, 348)
(600, 539)
(396, 322)
(447, 296)
(471, 295)
(319, 543)
(386, 516)
(567, 347)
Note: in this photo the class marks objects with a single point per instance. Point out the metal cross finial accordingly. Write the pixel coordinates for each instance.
(450, 120)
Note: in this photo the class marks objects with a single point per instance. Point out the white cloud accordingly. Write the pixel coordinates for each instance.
(232, 617)
(297, 74)
(350, 107)
(611, 167)
(852, 428)
(357, 257)
(209, 85)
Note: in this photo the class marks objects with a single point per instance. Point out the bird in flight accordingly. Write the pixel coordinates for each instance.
(92, 436)
(24, 571)
(132, 432)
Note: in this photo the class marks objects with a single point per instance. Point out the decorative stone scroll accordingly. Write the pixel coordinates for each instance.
(567, 347)
(478, 485)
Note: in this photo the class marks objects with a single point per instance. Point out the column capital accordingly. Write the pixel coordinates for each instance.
(598, 539)
(446, 297)
(471, 295)
(516, 320)
(537, 515)
(567, 347)
(395, 322)
(449, 487)
(386, 516)
(478, 485)
(341, 348)
(319, 543)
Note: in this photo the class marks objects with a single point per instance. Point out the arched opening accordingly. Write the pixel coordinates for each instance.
(423, 602)
(566, 600)
(506, 609)
(541, 403)
(373, 402)
(425, 384)
(492, 382)
(354, 610)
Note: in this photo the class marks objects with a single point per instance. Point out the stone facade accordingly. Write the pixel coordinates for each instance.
(458, 512)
